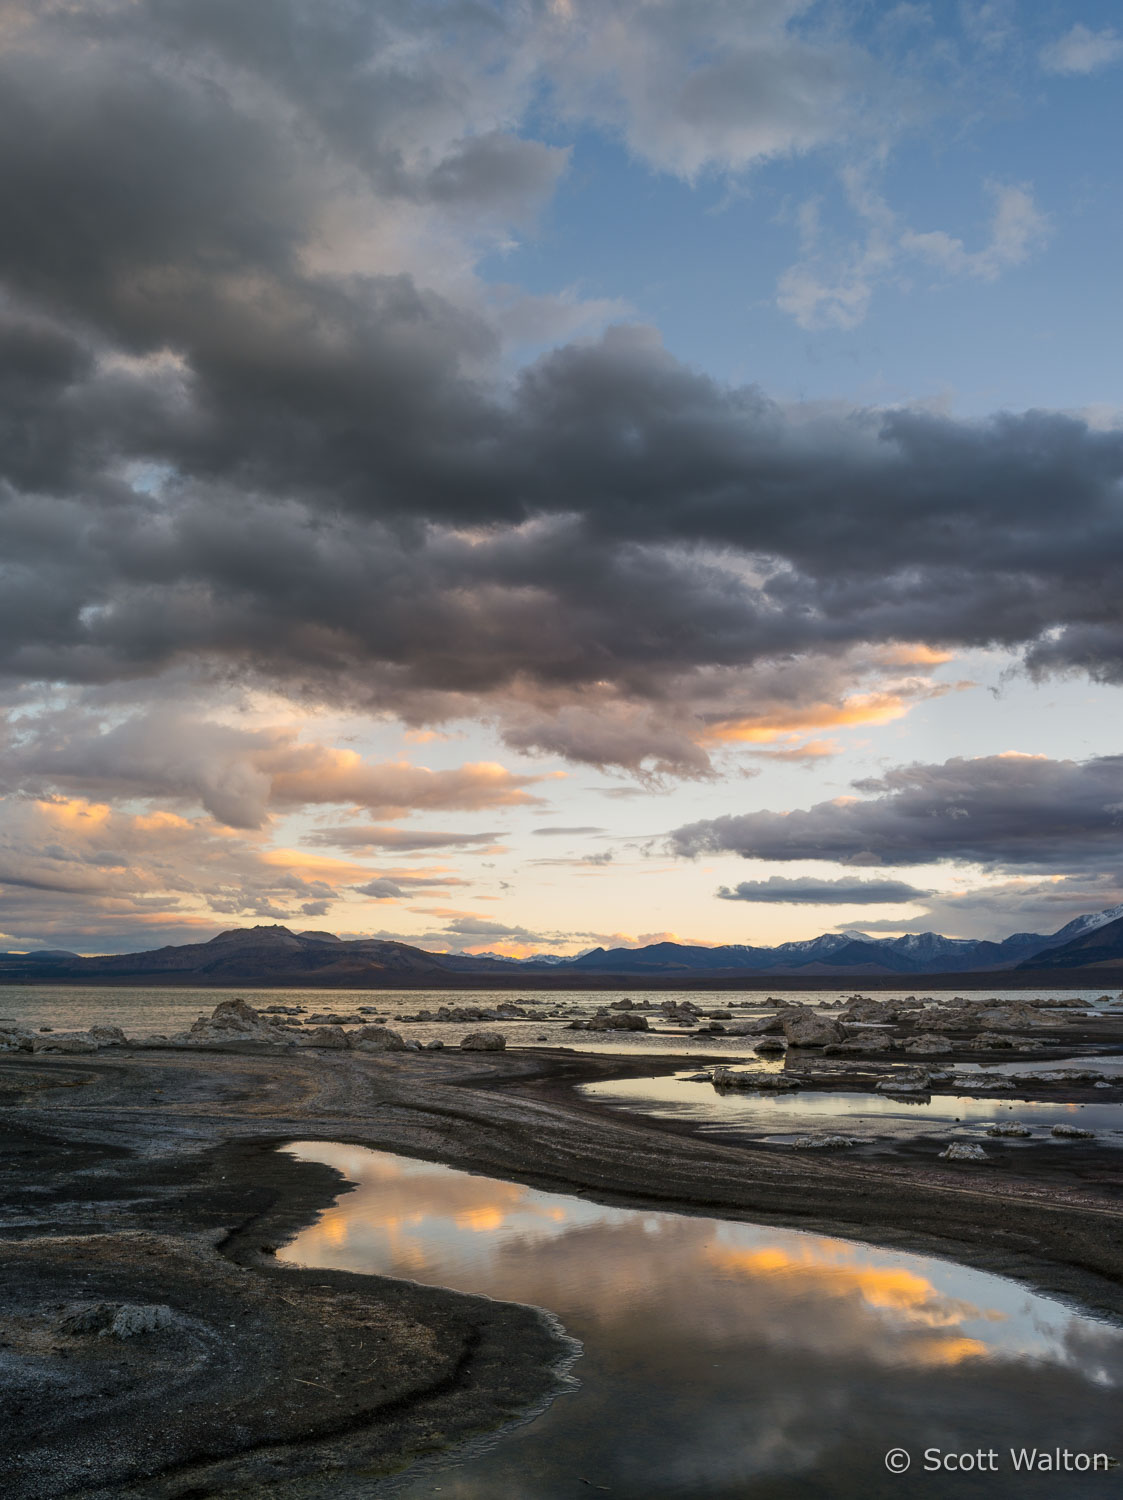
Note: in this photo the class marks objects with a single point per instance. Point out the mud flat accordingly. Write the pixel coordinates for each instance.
(152, 1346)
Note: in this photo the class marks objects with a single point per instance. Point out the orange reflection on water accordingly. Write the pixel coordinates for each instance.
(620, 1269)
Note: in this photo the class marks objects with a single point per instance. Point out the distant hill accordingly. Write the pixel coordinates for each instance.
(275, 955)
(258, 955)
(1102, 946)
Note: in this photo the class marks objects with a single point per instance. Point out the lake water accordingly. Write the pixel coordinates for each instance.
(143, 1012)
(863, 1116)
(726, 1361)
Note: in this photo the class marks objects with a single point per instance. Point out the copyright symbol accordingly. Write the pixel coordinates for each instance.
(897, 1460)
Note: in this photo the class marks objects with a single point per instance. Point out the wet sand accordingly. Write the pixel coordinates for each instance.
(152, 1178)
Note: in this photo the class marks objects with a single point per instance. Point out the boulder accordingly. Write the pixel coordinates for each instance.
(810, 1030)
(626, 1020)
(870, 1010)
(233, 1023)
(934, 1043)
(1072, 1133)
(483, 1041)
(770, 1046)
(1011, 1129)
(119, 1320)
(763, 1026)
(729, 1078)
(16, 1038)
(963, 1151)
(108, 1036)
(377, 1039)
(68, 1042)
(333, 1038)
(864, 1043)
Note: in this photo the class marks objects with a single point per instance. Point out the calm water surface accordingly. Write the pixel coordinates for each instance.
(727, 1361)
(861, 1115)
(142, 1012)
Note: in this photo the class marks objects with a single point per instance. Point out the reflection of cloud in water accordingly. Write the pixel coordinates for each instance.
(716, 1352)
(612, 1266)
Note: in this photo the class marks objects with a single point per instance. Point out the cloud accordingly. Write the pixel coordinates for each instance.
(1017, 229)
(556, 830)
(1002, 811)
(403, 840)
(833, 282)
(485, 927)
(241, 776)
(399, 885)
(811, 892)
(1006, 906)
(1082, 50)
(260, 425)
(83, 875)
(696, 85)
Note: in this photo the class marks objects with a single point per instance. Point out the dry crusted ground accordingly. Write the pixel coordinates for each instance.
(152, 1178)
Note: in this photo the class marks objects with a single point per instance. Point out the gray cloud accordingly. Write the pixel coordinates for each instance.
(811, 892)
(385, 887)
(402, 840)
(1004, 811)
(550, 832)
(257, 423)
(485, 927)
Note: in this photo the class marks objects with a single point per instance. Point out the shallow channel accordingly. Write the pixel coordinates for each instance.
(729, 1361)
(780, 1118)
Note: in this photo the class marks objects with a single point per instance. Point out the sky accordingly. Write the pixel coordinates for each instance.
(513, 477)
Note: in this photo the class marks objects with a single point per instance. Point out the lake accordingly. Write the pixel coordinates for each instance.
(144, 1011)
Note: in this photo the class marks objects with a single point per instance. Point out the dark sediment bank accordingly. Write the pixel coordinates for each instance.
(151, 1179)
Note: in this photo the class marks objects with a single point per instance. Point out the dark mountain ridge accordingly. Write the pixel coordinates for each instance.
(274, 955)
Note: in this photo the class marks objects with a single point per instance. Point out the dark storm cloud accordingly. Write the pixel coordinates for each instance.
(239, 434)
(1005, 811)
(810, 892)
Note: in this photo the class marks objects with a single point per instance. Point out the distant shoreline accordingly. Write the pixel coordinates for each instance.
(1017, 979)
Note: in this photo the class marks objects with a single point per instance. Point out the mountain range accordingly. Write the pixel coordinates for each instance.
(1090, 946)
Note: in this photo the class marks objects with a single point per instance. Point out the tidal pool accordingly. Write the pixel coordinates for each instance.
(729, 1361)
(781, 1117)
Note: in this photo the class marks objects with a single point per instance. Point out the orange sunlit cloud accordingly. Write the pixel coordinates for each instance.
(861, 708)
(74, 812)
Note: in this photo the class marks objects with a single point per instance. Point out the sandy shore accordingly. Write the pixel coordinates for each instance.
(151, 1179)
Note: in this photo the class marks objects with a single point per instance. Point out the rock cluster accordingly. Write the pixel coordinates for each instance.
(17, 1038)
(823, 1142)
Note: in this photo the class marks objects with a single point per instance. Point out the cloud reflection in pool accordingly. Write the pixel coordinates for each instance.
(719, 1354)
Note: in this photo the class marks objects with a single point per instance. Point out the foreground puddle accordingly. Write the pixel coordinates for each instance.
(779, 1117)
(725, 1361)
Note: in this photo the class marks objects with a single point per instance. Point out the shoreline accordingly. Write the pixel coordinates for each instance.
(975, 982)
(170, 1159)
